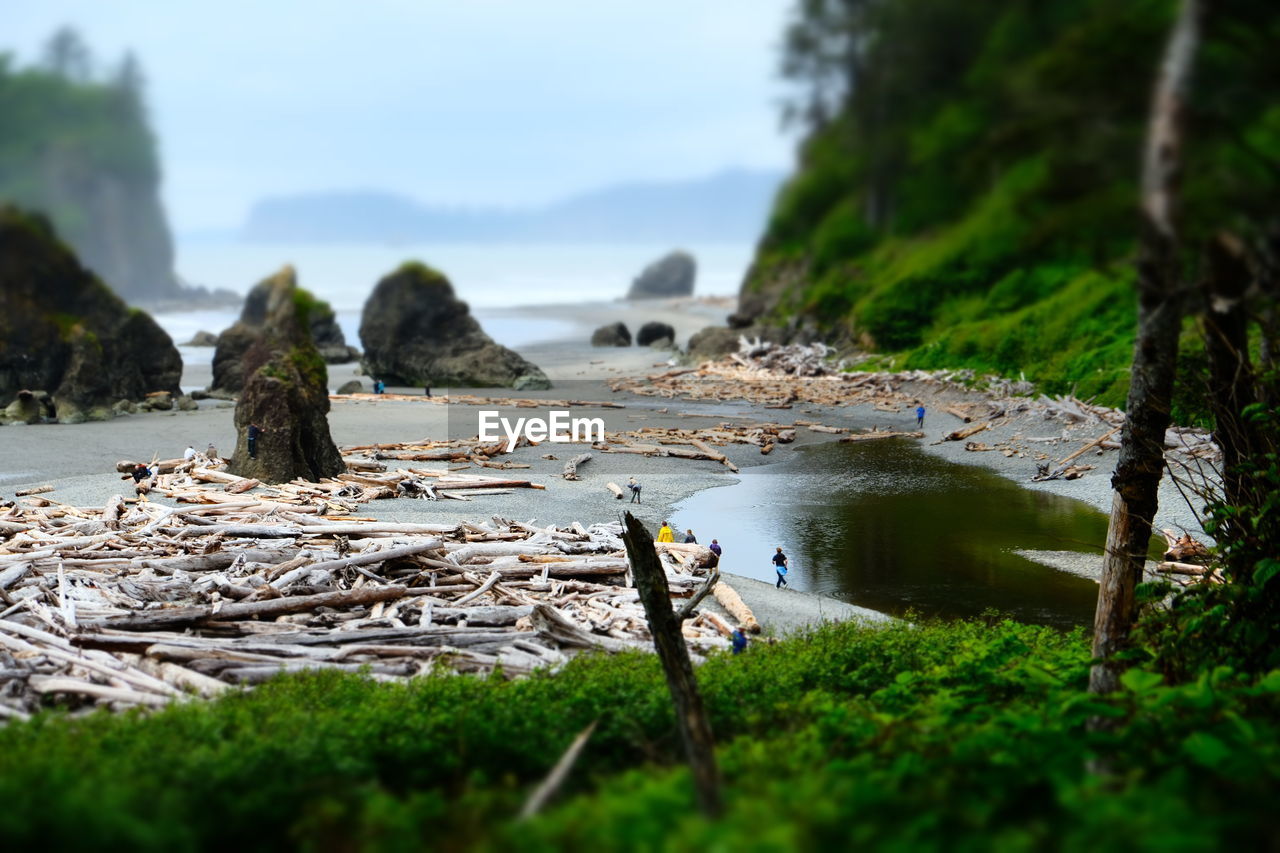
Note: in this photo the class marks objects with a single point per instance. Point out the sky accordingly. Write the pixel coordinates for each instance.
(515, 103)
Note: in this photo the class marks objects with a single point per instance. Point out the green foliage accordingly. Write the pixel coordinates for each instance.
(965, 735)
(972, 167)
(308, 306)
(1187, 631)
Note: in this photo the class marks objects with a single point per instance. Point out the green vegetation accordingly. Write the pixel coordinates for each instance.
(309, 306)
(964, 735)
(968, 189)
(76, 146)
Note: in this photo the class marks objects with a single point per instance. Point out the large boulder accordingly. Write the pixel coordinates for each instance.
(711, 343)
(416, 332)
(671, 275)
(612, 335)
(63, 330)
(655, 333)
(202, 339)
(228, 372)
(286, 394)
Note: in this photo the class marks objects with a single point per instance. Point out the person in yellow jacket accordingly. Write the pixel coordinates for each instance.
(666, 534)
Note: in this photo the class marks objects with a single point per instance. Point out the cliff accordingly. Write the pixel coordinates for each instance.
(81, 151)
(967, 188)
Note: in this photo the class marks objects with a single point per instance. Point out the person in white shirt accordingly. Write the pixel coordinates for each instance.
(189, 454)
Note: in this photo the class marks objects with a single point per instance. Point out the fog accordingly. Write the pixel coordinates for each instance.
(478, 104)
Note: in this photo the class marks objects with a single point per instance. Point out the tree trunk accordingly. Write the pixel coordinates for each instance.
(1137, 476)
(1226, 342)
(691, 719)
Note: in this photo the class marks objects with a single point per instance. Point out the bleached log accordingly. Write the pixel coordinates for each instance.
(615, 488)
(738, 609)
(571, 467)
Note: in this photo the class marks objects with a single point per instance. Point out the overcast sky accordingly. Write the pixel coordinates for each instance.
(483, 102)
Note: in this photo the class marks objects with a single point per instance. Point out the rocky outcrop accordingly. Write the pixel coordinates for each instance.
(202, 339)
(672, 275)
(228, 373)
(63, 331)
(711, 343)
(285, 393)
(351, 386)
(416, 332)
(655, 333)
(612, 335)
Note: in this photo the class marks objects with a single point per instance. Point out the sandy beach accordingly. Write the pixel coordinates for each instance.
(80, 460)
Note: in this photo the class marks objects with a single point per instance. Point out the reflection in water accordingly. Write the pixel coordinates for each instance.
(886, 526)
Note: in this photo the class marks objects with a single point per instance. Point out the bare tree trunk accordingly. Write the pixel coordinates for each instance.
(1137, 476)
(691, 719)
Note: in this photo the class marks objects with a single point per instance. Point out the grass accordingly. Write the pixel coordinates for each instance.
(967, 734)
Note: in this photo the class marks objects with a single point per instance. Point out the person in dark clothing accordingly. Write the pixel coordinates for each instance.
(140, 472)
(254, 432)
(689, 538)
(780, 566)
(427, 390)
(739, 640)
(920, 416)
(635, 490)
(715, 547)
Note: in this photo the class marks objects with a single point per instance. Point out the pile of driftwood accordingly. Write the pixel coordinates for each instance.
(792, 359)
(138, 604)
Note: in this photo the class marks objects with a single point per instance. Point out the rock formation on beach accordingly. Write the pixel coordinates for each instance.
(285, 393)
(671, 275)
(655, 333)
(711, 342)
(612, 335)
(63, 331)
(228, 372)
(416, 332)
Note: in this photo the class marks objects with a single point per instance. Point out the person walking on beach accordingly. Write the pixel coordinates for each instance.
(254, 432)
(739, 640)
(920, 416)
(780, 566)
(665, 533)
(689, 538)
(635, 489)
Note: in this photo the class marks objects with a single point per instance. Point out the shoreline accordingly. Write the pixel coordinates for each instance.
(79, 460)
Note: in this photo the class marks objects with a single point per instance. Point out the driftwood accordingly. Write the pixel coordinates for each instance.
(139, 605)
(732, 602)
(615, 489)
(571, 467)
(962, 434)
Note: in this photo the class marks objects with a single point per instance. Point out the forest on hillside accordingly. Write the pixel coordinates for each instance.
(76, 145)
(967, 194)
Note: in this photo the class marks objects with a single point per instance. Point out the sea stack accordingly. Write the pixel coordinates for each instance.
(670, 275)
(232, 344)
(64, 332)
(416, 332)
(285, 393)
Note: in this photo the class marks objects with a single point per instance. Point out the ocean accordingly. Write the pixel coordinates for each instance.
(492, 278)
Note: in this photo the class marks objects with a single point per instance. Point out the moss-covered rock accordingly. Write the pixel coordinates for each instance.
(285, 394)
(261, 301)
(416, 332)
(63, 330)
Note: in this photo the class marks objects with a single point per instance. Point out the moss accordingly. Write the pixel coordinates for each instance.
(308, 307)
(309, 365)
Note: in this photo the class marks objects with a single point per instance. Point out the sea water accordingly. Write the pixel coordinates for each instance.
(492, 278)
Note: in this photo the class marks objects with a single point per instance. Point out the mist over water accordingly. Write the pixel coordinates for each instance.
(489, 277)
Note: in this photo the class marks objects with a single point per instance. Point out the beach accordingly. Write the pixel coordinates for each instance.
(79, 460)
